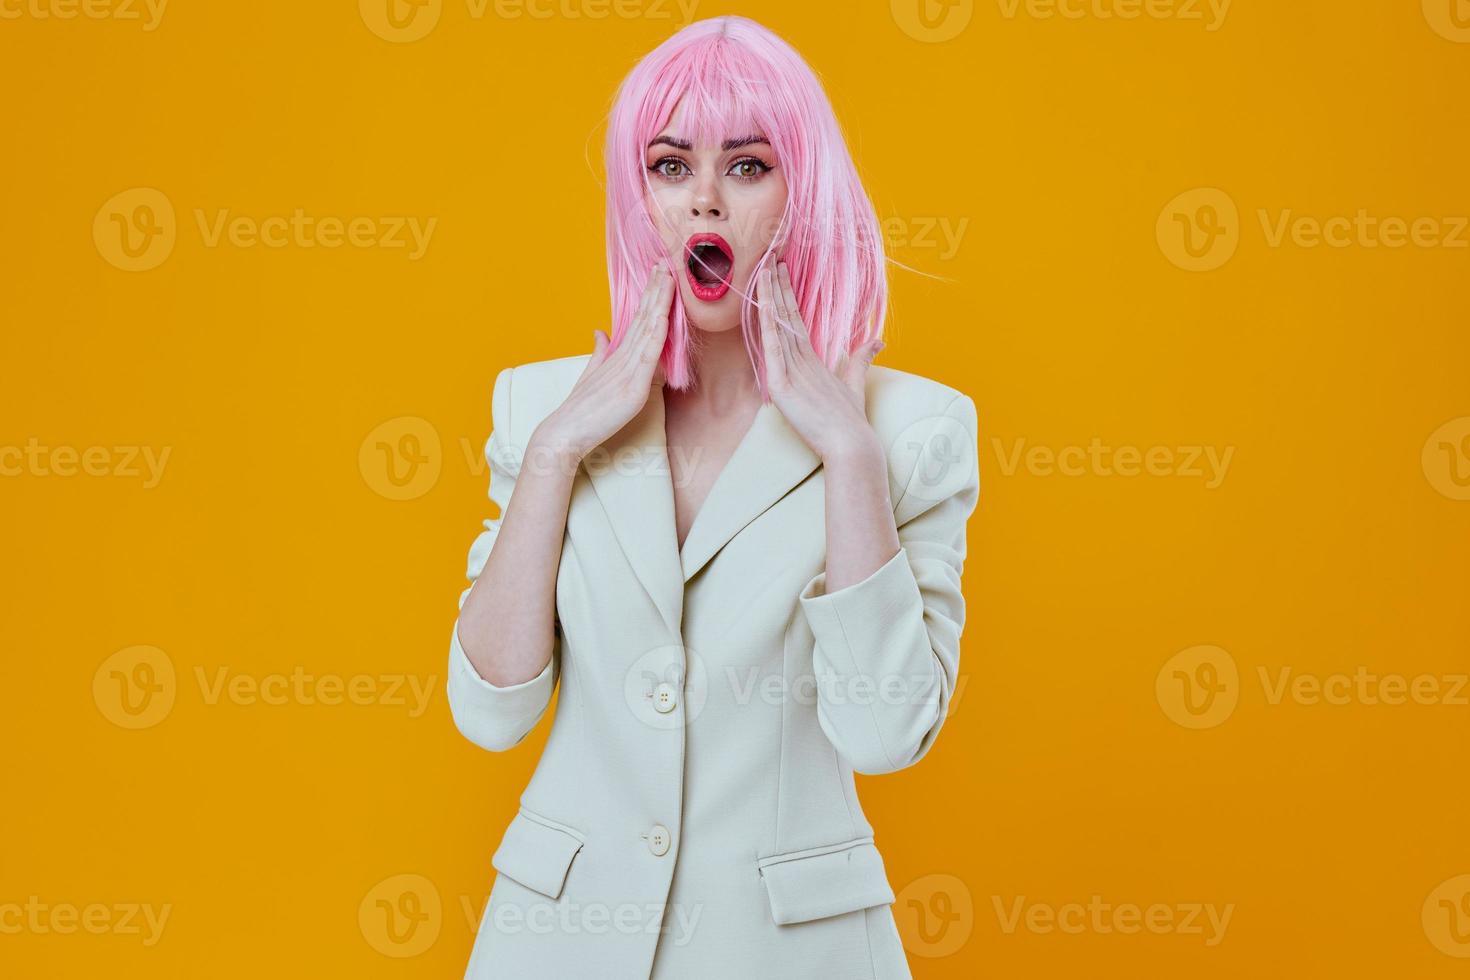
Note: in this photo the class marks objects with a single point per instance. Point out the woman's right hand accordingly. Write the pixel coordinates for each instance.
(614, 387)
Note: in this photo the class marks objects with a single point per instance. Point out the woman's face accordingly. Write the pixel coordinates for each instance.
(717, 208)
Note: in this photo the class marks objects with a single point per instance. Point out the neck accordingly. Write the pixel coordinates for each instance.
(723, 378)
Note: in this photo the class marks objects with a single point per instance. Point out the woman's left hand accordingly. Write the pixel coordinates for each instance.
(826, 408)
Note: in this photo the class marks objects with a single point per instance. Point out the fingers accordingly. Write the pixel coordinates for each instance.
(771, 345)
(787, 320)
(855, 368)
(632, 341)
(599, 350)
(802, 340)
(655, 326)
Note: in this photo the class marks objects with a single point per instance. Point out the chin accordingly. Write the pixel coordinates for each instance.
(716, 317)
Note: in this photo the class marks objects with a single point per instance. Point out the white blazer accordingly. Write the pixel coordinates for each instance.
(693, 814)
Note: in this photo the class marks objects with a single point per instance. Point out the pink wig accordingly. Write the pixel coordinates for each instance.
(737, 78)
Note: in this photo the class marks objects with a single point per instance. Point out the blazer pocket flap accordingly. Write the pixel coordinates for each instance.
(823, 881)
(536, 853)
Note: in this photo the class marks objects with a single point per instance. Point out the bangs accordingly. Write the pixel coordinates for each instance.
(718, 91)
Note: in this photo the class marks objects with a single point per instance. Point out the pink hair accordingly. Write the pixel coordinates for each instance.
(736, 78)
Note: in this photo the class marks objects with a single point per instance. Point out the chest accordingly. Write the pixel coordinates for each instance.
(699, 449)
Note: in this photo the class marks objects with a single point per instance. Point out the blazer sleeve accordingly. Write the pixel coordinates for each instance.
(493, 717)
(887, 649)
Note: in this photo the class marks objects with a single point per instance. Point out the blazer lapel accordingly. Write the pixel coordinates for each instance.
(768, 462)
(630, 473)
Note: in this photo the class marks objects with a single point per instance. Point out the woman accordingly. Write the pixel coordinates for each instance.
(735, 544)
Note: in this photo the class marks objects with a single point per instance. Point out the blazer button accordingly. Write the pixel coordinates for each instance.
(658, 839)
(665, 698)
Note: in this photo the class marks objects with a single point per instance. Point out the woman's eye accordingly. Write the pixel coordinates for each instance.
(668, 167)
(750, 168)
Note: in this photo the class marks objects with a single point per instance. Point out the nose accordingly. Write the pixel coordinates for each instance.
(707, 202)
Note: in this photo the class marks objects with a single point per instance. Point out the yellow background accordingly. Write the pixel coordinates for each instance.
(1052, 149)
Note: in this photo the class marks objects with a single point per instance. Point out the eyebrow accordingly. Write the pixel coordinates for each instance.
(733, 144)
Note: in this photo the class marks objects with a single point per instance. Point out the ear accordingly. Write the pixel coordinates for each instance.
(855, 368)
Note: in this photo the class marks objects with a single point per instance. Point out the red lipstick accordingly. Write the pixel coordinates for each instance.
(709, 263)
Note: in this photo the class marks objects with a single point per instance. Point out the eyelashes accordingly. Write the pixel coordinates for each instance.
(660, 169)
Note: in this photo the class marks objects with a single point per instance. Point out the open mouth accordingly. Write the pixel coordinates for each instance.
(710, 262)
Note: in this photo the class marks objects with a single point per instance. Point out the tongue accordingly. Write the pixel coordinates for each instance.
(709, 265)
